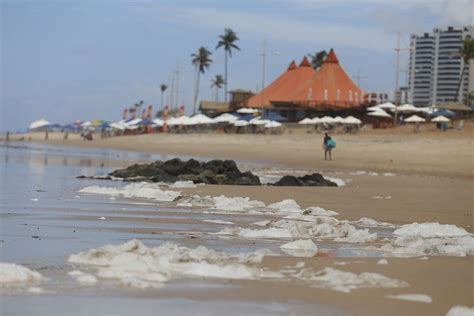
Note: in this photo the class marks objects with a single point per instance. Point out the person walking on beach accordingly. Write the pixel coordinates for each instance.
(328, 145)
(7, 139)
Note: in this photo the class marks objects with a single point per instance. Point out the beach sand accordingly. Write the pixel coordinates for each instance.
(432, 183)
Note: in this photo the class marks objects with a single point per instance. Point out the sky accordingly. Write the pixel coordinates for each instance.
(85, 59)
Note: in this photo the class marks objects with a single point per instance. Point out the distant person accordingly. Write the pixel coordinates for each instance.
(66, 135)
(7, 139)
(46, 135)
(328, 145)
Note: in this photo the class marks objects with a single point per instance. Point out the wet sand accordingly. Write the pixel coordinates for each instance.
(433, 183)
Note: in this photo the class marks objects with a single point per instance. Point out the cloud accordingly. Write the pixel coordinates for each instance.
(457, 13)
(286, 29)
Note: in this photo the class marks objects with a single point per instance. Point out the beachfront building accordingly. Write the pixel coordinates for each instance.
(302, 91)
(435, 66)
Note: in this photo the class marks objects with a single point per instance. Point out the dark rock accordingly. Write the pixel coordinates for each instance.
(311, 180)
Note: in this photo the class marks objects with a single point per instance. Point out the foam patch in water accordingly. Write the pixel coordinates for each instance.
(422, 298)
(135, 190)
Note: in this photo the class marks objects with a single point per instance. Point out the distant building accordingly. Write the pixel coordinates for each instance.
(213, 108)
(239, 98)
(435, 66)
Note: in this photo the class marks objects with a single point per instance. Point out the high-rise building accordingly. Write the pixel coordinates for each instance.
(435, 66)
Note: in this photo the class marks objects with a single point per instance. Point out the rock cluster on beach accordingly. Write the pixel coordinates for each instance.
(210, 172)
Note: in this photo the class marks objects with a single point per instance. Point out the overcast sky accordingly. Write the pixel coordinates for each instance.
(70, 60)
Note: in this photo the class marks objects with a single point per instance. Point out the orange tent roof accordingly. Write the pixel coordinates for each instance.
(329, 85)
(284, 85)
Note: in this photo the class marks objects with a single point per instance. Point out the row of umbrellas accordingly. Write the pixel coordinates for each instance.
(350, 120)
(417, 119)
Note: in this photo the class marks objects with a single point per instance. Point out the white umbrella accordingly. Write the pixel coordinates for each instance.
(338, 119)
(414, 119)
(240, 123)
(326, 119)
(247, 111)
(182, 120)
(407, 108)
(305, 121)
(39, 124)
(158, 122)
(86, 124)
(258, 121)
(387, 106)
(132, 122)
(315, 120)
(273, 124)
(352, 120)
(117, 126)
(374, 108)
(379, 113)
(226, 118)
(441, 119)
(199, 119)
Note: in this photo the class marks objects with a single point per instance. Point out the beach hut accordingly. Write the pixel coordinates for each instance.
(39, 124)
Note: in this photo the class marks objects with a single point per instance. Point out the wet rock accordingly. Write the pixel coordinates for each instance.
(311, 180)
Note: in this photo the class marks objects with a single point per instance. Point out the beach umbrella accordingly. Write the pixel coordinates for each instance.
(247, 111)
(246, 117)
(39, 124)
(240, 123)
(352, 120)
(199, 119)
(226, 118)
(182, 120)
(146, 122)
(338, 119)
(326, 119)
(158, 122)
(373, 108)
(387, 106)
(258, 121)
(315, 120)
(441, 119)
(379, 113)
(414, 119)
(407, 108)
(305, 121)
(273, 124)
(117, 126)
(86, 124)
(444, 112)
(133, 122)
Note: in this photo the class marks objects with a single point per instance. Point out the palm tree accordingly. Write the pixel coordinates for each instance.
(163, 88)
(317, 59)
(217, 83)
(466, 53)
(202, 61)
(227, 41)
(138, 106)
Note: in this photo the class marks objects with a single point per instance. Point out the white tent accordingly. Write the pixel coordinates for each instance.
(240, 123)
(441, 119)
(352, 120)
(407, 108)
(379, 113)
(414, 119)
(305, 121)
(247, 111)
(158, 122)
(273, 124)
(226, 118)
(39, 124)
(387, 106)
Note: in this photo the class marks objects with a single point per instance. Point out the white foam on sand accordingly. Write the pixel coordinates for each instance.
(300, 248)
(262, 223)
(338, 181)
(286, 206)
(382, 261)
(343, 281)
(235, 203)
(459, 310)
(319, 211)
(273, 233)
(13, 274)
(87, 279)
(422, 298)
(217, 221)
(137, 265)
(369, 222)
(135, 190)
(427, 230)
(183, 185)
